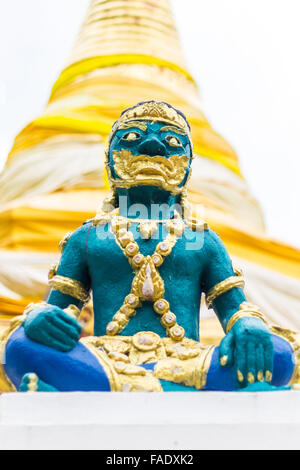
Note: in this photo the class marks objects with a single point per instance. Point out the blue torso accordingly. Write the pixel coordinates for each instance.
(111, 278)
(197, 262)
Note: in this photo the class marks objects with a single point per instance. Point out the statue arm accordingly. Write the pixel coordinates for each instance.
(222, 287)
(248, 343)
(71, 283)
(51, 324)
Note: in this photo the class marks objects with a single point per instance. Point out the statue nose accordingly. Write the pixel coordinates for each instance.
(152, 146)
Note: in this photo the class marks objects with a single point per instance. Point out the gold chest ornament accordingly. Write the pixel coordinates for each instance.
(147, 284)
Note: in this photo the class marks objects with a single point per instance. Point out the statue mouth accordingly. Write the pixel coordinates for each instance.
(144, 170)
(143, 164)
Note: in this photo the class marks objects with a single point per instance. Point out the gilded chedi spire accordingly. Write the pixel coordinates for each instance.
(129, 27)
(126, 51)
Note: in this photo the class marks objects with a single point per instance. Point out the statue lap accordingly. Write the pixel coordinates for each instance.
(81, 369)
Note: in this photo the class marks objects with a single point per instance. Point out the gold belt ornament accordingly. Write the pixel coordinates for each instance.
(185, 362)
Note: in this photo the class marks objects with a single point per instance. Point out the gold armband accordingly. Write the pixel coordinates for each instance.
(246, 310)
(33, 306)
(222, 287)
(70, 287)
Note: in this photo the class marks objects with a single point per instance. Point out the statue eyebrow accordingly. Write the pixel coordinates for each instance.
(172, 129)
(129, 125)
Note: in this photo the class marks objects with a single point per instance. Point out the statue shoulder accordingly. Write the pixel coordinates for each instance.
(215, 249)
(102, 218)
(77, 236)
(211, 242)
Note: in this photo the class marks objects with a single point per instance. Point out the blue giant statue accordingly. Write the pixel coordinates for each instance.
(147, 265)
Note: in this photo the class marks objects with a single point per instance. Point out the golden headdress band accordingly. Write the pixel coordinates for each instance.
(153, 111)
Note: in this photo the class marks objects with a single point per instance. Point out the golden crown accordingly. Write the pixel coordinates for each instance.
(153, 111)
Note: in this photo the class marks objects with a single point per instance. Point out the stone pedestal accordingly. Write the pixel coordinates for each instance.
(117, 421)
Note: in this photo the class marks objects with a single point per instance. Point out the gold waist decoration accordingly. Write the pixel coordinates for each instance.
(185, 362)
(191, 372)
(70, 287)
(222, 287)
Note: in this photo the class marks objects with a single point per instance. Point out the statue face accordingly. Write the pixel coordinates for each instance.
(150, 153)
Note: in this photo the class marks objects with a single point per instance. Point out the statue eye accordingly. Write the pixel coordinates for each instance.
(173, 141)
(131, 136)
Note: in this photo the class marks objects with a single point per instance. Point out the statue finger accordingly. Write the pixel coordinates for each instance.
(240, 361)
(226, 350)
(26, 379)
(23, 387)
(69, 320)
(48, 339)
(251, 362)
(260, 362)
(60, 346)
(67, 328)
(60, 338)
(268, 359)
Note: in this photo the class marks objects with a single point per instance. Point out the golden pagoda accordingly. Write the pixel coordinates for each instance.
(54, 179)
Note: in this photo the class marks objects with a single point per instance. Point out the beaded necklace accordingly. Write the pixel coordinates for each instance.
(147, 284)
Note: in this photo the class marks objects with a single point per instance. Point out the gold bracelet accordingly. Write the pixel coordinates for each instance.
(222, 287)
(33, 306)
(246, 310)
(72, 311)
(70, 287)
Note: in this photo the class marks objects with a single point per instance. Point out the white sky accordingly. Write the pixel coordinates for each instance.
(244, 54)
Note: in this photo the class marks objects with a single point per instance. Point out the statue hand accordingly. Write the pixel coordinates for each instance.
(51, 326)
(249, 348)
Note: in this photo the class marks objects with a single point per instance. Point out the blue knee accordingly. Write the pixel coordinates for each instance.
(224, 378)
(77, 370)
(284, 361)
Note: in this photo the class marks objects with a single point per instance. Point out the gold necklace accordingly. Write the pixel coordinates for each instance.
(148, 227)
(147, 284)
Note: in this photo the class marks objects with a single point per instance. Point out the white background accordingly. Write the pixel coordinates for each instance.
(244, 54)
